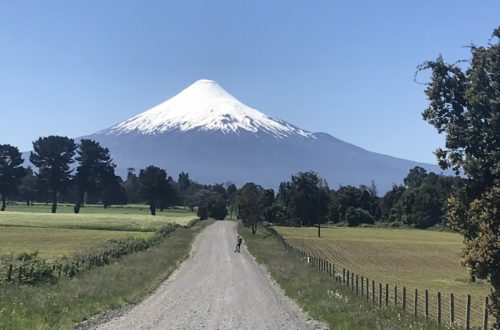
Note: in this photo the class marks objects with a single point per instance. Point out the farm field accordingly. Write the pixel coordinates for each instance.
(107, 219)
(28, 229)
(53, 243)
(92, 208)
(406, 258)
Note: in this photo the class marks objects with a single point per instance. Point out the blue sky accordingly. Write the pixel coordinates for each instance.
(76, 67)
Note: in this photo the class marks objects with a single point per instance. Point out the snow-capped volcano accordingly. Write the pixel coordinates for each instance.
(206, 132)
(206, 106)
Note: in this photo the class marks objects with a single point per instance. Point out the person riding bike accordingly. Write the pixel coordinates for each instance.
(239, 240)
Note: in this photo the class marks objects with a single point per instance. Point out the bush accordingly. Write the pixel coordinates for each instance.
(202, 212)
(216, 207)
(357, 216)
(29, 268)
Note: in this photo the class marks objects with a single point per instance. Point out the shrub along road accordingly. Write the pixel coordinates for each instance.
(216, 289)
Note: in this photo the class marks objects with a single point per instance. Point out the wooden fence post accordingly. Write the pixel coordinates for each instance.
(386, 295)
(343, 275)
(352, 281)
(379, 294)
(485, 316)
(373, 292)
(367, 290)
(9, 273)
(439, 309)
(404, 298)
(467, 313)
(426, 305)
(357, 284)
(415, 303)
(362, 286)
(347, 278)
(452, 309)
(395, 296)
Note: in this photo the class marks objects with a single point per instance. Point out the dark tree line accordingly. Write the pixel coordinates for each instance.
(159, 190)
(81, 173)
(306, 200)
(55, 179)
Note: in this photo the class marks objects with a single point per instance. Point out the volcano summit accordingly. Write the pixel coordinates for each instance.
(207, 132)
(205, 106)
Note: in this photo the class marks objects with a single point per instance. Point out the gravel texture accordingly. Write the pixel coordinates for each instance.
(216, 288)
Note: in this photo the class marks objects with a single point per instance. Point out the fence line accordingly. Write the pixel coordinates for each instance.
(416, 304)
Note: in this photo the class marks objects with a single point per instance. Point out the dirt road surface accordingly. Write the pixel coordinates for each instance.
(216, 288)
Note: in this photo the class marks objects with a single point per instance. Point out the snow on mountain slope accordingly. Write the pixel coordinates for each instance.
(206, 106)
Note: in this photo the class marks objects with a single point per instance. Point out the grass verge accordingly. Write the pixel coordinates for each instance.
(70, 301)
(318, 294)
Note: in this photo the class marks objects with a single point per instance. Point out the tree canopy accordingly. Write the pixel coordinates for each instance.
(53, 156)
(11, 171)
(464, 104)
(153, 185)
(250, 204)
(95, 172)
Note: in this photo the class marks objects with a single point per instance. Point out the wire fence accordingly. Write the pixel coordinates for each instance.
(443, 309)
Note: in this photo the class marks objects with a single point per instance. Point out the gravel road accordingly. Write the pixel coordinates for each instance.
(216, 288)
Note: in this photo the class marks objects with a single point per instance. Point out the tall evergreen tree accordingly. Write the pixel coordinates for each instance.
(231, 192)
(131, 186)
(153, 186)
(95, 170)
(28, 188)
(184, 181)
(53, 156)
(11, 171)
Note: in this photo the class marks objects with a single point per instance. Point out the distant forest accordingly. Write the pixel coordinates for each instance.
(304, 200)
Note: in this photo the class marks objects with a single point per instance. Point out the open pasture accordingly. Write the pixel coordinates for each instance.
(34, 228)
(140, 209)
(53, 243)
(106, 220)
(406, 258)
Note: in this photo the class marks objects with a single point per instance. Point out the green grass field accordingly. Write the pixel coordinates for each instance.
(115, 209)
(103, 221)
(34, 228)
(53, 243)
(410, 258)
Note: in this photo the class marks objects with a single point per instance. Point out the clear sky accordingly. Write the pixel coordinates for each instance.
(343, 67)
